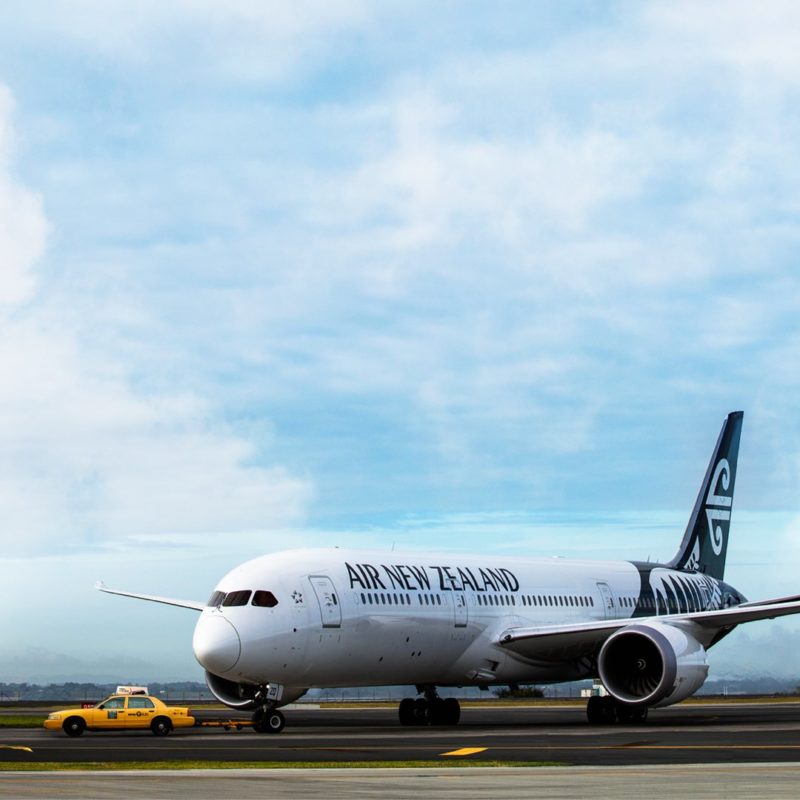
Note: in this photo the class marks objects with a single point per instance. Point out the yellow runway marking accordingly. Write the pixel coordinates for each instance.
(465, 751)
(15, 747)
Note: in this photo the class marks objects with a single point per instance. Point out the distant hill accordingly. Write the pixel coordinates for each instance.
(193, 691)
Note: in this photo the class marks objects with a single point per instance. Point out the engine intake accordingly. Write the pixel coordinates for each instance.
(652, 664)
(234, 695)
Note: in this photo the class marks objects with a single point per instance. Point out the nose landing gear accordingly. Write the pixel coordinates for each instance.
(430, 709)
(267, 720)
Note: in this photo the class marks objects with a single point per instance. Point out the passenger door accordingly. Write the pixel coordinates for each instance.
(609, 604)
(461, 609)
(329, 607)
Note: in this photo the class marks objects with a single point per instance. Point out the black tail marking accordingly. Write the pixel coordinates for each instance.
(705, 542)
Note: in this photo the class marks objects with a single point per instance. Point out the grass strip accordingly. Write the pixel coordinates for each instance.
(107, 766)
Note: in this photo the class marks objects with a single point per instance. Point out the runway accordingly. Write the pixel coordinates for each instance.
(685, 734)
(663, 782)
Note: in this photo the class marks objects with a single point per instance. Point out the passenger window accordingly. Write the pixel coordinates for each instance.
(140, 702)
(114, 702)
(268, 600)
(239, 598)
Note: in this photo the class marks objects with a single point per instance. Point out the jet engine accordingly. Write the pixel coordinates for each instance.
(246, 696)
(652, 664)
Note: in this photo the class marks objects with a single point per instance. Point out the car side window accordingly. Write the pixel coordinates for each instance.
(114, 702)
(140, 702)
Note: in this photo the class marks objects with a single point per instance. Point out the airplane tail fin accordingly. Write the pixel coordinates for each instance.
(705, 542)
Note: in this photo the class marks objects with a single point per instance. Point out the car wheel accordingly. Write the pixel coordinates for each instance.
(74, 726)
(161, 726)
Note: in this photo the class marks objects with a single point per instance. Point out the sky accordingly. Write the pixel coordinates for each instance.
(456, 275)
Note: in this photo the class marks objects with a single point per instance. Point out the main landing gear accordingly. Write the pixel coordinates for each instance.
(268, 720)
(607, 711)
(430, 709)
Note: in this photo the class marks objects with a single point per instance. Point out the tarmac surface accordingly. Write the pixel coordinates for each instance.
(655, 782)
(726, 733)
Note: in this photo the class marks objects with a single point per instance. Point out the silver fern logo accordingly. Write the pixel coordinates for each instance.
(677, 593)
(718, 505)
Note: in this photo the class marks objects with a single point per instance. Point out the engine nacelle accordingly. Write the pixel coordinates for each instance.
(246, 696)
(652, 664)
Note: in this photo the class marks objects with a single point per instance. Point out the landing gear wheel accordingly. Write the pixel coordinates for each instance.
(601, 710)
(594, 710)
(74, 726)
(161, 726)
(406, 712)
(429, 709)
(268, 721)
(609, 710)
(631, 714)
(276, 722)
(452, 711)
(422, 711)
(445, 712)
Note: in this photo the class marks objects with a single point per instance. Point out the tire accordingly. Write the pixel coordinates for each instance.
(275, 722)
(436, 712)
(445, 712)
(268, 721)
(405, 711)
(422, 712)
(609, 710)
(74, 726)
(452, 711)
(639, 715)
(161, 726)
(596, 710)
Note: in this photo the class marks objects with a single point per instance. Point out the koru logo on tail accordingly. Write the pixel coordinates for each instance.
(718, 506)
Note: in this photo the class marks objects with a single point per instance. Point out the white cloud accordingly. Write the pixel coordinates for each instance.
(242, 40)
(88, 459)
(22, 223)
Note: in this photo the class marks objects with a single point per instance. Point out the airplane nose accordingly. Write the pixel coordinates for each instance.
(216, 643)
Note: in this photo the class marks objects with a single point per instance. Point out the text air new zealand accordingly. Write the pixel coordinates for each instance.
(283, 623)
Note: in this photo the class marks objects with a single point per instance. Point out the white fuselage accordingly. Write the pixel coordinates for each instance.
(359, 618)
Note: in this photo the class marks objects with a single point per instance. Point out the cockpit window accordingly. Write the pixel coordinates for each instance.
(264, 599)
(237, 598)
(216, 599)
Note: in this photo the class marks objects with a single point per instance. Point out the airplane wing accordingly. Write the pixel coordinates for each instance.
(562, 642)
(169, 601)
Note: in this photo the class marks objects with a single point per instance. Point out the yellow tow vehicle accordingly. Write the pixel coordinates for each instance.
(129, 708)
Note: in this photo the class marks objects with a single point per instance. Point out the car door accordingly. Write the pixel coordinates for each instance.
(110, 714)
(141, 711)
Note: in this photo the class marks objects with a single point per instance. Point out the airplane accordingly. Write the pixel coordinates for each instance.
(278, 625)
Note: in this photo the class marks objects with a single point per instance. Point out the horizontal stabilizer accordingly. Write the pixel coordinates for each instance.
(169, 601)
